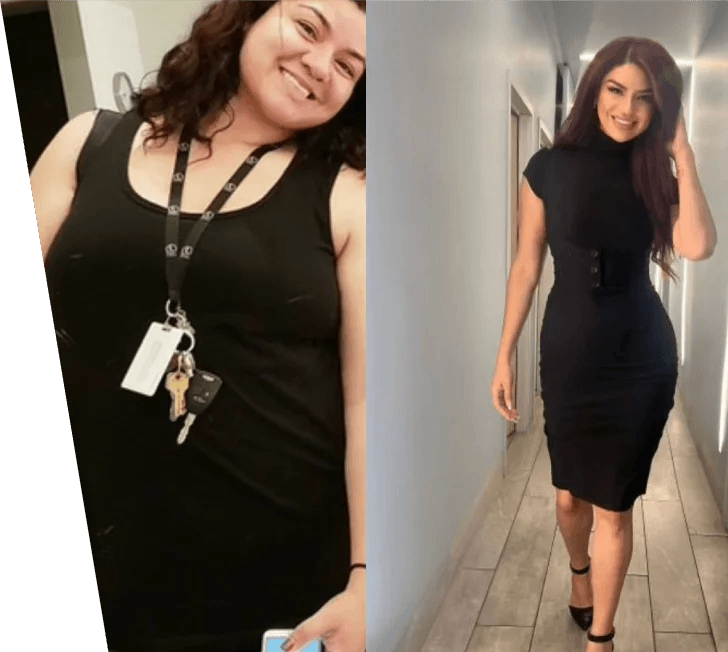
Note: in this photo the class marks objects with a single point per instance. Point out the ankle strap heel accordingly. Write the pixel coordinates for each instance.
(581, 571)
(605, 638)
(582, 615)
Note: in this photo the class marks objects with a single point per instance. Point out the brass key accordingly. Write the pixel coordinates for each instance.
(177, 384)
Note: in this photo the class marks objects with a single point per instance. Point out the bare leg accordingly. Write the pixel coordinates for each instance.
(612, 555)
(575, 518)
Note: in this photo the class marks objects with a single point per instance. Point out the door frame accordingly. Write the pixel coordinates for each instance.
(518, 103)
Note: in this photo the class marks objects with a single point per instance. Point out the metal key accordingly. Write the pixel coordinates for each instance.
(181, 369)
(204, 386)
(189, 420)
(177, 384)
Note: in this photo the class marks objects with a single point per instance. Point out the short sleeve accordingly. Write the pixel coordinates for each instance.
(535, 172)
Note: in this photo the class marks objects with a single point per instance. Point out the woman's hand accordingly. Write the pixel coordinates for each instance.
(502, 390)
(341, 622)
(679, 145)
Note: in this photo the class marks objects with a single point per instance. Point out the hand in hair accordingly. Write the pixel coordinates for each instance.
(680, 143)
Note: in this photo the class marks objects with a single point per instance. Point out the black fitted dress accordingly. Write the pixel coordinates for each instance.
(608, 350)
(245, 526)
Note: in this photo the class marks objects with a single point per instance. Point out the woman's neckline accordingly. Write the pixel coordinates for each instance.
(602, 141)
(158, 208)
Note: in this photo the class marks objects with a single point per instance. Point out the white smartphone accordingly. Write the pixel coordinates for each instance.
(274, 638)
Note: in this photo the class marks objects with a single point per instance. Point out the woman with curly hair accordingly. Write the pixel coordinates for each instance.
(606, 202)
(252, 517)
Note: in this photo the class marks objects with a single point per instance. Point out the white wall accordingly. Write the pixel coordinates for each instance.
(436, 236)
(703, 373)
(160, 25)
(97, 38)
(112, 45)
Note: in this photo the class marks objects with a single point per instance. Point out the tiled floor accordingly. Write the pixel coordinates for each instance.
(511, 592)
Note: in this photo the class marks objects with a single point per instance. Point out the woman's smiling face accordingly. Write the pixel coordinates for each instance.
(625, 104)
(302, 59)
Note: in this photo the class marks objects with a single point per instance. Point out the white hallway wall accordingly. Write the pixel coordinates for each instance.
(703, 375)
(97, 38)
(438, 130)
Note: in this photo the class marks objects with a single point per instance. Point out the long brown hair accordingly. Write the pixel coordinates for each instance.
(651, 172)
(199, 76)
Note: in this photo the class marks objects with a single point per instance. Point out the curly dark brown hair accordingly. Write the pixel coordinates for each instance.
(200, 75)
(652, 177)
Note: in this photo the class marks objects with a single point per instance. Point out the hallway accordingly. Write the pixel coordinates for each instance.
(510, 593)
(468, 92)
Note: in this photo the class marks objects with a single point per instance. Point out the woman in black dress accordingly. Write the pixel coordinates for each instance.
(605, 200)
(257, 520)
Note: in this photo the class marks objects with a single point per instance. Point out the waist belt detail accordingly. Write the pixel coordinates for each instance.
(601, 270)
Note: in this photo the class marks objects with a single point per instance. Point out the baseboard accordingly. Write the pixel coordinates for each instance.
(429, 604)
(722, 504)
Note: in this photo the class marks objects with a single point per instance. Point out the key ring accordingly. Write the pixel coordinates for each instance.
(180, 317)
(178, 314)
(191, 335)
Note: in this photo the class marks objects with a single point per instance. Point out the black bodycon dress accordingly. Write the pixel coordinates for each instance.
(608, 351)
(245, 526)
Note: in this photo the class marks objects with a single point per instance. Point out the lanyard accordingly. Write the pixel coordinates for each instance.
(177, 260)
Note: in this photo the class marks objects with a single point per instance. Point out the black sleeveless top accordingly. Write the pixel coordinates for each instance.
(245, 526)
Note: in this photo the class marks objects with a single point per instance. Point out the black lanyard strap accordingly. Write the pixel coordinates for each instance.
(178, 259)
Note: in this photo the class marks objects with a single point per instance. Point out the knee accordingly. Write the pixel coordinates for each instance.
(566, 502)
(615, 521)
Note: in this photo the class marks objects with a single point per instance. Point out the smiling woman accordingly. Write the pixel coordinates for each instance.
(603, 199)
(212, 522)
(290, 49)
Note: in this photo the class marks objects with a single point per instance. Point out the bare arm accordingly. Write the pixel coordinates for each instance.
(525, 270)
(342, 620)
(694, 235)
(53, 178)
(348, 202)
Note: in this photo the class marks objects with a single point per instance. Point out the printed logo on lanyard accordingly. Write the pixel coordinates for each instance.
(191, 390)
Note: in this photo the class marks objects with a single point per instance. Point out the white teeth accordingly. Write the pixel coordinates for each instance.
(304, 91)
(621, 122)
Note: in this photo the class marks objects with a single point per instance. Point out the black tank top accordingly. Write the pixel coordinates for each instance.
(245, 526)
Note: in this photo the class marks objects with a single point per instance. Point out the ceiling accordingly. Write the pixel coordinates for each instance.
(584, 27)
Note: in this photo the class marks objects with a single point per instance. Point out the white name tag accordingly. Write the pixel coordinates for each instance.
(152, 359)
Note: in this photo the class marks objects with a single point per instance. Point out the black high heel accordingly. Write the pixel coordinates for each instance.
(582, 615)
(601, 639)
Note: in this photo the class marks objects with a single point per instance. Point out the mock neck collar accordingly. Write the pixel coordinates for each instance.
(603, 141)
(595, 139)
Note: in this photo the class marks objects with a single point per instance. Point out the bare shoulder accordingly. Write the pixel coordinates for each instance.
(348, 206)
(68, 142)
(79, 127)
(53, 177)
